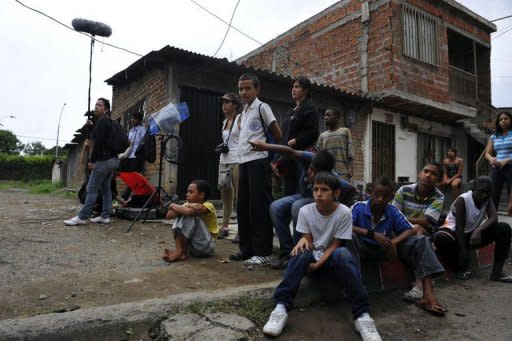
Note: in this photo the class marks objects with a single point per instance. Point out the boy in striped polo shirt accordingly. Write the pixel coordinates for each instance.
(421, 203)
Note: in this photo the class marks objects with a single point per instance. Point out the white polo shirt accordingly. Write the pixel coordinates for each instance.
(252, 130)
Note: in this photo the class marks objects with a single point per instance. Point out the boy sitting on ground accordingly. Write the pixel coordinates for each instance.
(421, 203)
(471, 224)
(383, 231)
(196, 224)
(326, 225)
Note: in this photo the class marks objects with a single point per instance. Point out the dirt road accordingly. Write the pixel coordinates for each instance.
(46, 266)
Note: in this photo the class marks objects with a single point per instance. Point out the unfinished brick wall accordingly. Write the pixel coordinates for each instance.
(332, 55)
(151, 86)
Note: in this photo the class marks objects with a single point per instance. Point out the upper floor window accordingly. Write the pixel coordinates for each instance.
(420, 35)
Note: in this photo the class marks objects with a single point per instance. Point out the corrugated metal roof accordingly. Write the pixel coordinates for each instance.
(171, 53)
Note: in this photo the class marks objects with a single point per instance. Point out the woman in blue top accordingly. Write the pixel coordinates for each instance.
(499, 154)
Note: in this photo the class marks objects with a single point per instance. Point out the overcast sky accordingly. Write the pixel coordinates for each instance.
(44, 65)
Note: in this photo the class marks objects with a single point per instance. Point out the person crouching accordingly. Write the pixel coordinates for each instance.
(196, 224)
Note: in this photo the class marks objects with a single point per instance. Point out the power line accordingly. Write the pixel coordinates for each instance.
(40, 138)
(508, 29)
(297, 64)
(225, 22)
(71, 28)
(227, 30)
(506, 17)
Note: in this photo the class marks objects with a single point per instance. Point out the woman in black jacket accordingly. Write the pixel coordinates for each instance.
(300, 130)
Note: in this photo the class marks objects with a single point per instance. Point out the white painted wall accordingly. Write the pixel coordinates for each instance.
(405, 141)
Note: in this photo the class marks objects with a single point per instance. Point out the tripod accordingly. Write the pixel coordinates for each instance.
(170, 156)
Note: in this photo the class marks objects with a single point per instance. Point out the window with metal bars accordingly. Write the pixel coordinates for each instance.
(420, 35)
(383, 150)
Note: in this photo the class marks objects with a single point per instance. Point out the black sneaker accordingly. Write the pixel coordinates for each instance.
(236, 257)
(280, 262)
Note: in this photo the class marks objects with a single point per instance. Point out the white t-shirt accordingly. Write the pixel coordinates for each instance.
(232, 156)
(252, 130)
(324, 229)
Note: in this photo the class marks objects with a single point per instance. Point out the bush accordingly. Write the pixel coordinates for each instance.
(26, 168)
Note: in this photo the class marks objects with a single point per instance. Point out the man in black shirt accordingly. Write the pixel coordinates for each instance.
(102, 162)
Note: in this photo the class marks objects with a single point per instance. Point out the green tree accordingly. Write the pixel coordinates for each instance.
(34, 148)
(63, 153)
(9, 143)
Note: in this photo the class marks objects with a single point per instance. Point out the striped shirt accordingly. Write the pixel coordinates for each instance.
(408, 201)
(502, 144)
(339, 144)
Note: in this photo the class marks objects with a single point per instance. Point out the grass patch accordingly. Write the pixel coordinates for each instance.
(34, 187)
(255, 308)
(44, 187)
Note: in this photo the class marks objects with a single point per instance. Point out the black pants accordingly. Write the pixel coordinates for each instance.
(500, 177)
(445, 241)
(254, 197)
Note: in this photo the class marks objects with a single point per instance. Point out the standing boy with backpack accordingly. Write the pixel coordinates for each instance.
(254, 190)
(106, 142)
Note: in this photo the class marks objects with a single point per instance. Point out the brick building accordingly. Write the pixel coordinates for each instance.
(175, 75)
(428, 63)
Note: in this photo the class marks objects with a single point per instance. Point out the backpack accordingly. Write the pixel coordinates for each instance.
(117, 140)
(147, 149)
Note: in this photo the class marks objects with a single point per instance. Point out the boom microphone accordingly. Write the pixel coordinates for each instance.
(95, 28)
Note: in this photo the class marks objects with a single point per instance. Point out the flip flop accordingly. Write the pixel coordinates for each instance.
(503, 278)
(436, 310)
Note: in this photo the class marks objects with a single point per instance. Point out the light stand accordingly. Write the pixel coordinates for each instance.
(164, 139)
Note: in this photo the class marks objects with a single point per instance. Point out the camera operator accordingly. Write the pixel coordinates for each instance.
(228, 163)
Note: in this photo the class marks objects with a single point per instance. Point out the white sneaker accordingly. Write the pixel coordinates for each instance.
(75, 221)
(258, 260)
(413, 295)
(365, 325)
(275, 323)
(100, 219)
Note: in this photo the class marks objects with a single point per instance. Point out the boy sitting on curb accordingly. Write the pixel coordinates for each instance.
(196, 224)
(326, 225)
(384, 231)
(286, 209)
(471, 224)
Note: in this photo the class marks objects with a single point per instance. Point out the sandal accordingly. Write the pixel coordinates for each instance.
(434, 309)
(223, 233)
(463, 275)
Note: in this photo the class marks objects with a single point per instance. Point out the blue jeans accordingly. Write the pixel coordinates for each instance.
(99, 181)
(282, 211)
(340, 265)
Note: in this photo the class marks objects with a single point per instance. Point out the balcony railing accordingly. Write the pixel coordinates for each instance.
(462, 86)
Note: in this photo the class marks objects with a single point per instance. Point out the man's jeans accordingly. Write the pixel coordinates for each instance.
(282, 211)
(99, 181)
(341, 266)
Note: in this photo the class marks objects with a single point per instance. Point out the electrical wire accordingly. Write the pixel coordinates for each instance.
(322, 78)
(225, 22)
(508, 29)
(498, 19)
(227, 30)
(71, 28)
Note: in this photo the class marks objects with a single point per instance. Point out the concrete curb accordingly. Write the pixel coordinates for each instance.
(114, 322)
